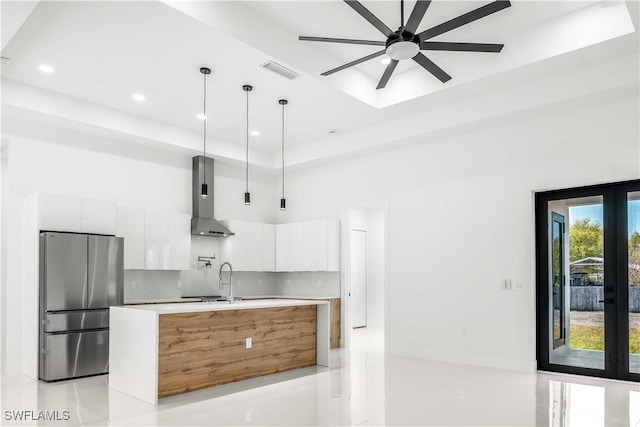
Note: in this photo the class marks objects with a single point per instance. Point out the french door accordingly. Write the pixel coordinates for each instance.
(588, 280)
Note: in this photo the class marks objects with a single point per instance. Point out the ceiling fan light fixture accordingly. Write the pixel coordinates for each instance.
(403, 50)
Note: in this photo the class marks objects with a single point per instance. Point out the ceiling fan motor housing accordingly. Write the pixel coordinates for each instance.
(402, 45)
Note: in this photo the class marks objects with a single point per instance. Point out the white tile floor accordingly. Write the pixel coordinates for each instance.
(363, 387)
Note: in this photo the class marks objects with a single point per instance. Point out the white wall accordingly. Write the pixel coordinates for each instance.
(462, 219)
(107, 169)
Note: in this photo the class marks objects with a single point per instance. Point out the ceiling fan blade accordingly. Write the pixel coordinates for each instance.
(428, 65)
(416, 15)
(348, 41)
(352, 63)
(462, 47)
(461, 20)
(387, 74)
(366, 14)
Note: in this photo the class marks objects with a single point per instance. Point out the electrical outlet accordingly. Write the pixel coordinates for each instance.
(249, 342)
(319, 282)
(179, 285)
(133, 284)
(519, 286)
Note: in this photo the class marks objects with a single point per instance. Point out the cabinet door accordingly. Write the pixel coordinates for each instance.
(59, 213)
(156, 241)
(269, 247)
(130, 226)
(253, 246)
(98, 217)
(282, 247)
(310, 246)
(333, 243)
(295, 247)
(179, 231)
(323, 245)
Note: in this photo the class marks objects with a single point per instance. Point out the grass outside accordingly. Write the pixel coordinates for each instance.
(585, 337)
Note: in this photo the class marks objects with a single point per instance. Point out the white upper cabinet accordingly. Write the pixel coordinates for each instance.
(59, 213)
(98, 217)
(333, 245)
(269, 247)
(282, 247)
(131, 227)
(308, 246)
(179, 234)
(156, 240)
(251, 247)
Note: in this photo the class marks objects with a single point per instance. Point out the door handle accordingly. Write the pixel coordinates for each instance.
(606, 300)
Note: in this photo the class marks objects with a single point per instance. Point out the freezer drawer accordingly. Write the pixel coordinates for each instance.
(59, 322)
(106, 271)
(74, 355)
(63, 271)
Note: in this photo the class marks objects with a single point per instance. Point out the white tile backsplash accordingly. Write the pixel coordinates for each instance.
(203, 279)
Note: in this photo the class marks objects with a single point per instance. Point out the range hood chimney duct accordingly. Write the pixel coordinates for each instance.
(203, 222)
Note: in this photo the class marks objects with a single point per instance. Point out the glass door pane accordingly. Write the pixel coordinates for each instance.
(576, 282)
(633, 268)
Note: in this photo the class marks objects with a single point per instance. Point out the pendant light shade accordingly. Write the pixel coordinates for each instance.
(283, 202)
(247, 195)
(204, 190)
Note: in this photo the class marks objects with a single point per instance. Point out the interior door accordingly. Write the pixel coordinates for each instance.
(358, 278)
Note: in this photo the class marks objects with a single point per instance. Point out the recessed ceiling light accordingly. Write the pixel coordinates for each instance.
(201, 116)
(255, 133)
(46, 68)
(385, 61)
(138, 97)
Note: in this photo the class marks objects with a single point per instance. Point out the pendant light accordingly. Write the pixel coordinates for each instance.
(247, 195)
(283, 202)
(204, 190)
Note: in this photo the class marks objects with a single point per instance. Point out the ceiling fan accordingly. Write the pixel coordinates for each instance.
(404, 43)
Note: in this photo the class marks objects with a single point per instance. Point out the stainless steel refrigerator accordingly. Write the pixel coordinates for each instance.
(81, 275)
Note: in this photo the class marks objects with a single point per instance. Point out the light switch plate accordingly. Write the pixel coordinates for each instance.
(519, 286)
(249, 342)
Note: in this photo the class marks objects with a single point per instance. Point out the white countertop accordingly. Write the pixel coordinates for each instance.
(161, 300)
(220, 306)
(311, 297)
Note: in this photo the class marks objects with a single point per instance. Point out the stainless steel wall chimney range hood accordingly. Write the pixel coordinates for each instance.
(203, 222)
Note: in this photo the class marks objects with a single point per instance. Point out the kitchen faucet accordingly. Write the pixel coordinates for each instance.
(221, 283)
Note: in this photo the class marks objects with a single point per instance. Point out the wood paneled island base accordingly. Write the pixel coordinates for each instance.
(199, 350)
(162, 350)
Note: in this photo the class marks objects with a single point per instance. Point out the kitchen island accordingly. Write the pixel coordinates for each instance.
(162, 350)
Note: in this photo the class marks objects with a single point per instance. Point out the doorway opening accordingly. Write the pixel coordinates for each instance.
(365, 256)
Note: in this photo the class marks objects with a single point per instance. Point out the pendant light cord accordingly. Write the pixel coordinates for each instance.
(402, 13)
(204, 134)
(247, 168)
(283, 151)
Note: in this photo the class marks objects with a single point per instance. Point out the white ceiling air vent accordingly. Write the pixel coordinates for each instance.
(280, 69)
